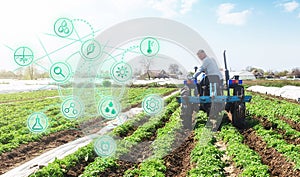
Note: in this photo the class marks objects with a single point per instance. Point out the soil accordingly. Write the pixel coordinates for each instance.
(139, 152)
(26, 152)
(292, 123)
(78, 169)
(126, 161)
(119, 170)
(134, 127)
(178, 161)
(268, 125)
(230, 169)
(278, 164)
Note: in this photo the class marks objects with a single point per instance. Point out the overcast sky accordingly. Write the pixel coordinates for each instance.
(263, 34)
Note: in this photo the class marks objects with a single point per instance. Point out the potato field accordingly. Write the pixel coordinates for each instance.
(268, 145)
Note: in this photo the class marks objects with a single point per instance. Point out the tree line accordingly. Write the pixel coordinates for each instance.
(260, 73)
(24, 73)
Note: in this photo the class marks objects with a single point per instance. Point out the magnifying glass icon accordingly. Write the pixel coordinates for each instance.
(58, 71)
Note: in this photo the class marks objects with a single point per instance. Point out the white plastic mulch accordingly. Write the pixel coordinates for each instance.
(291, 92)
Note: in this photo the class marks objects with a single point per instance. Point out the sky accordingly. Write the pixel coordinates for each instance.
(263, 34)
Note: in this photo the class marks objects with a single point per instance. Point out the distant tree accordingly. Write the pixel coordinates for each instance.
(20, 73)
(146, 65)
(7, 74)
(282, 73)
(173, 69)
(30, 73)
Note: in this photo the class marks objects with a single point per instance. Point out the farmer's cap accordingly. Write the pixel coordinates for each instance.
(201, 51)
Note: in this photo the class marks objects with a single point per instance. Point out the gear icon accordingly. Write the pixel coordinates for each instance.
(153, 104)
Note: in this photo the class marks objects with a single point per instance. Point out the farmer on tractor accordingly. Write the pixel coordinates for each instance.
(207, 73)
(210, 68)
(207, 95)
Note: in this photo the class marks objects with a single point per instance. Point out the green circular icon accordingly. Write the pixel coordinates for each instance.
(149, 46)
(109, 108)
(153, 104)
(72, 108)
(23, 56)
(121, 72)
(105, 146)
(91, 49)
(63, 27)
(60, 72)
(37, 122)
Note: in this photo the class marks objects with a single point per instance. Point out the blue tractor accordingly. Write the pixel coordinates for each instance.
(208, 95)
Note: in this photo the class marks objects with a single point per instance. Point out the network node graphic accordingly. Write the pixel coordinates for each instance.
(37, 122)
(72, 108)
(63, 27)
(105, 146)
(23, 56)
(153, 104)
(149, 46)
(60, 72)
(91, 49)
(121, 72)
(109, 108)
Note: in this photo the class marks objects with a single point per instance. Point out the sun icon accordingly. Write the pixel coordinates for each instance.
(122, 71)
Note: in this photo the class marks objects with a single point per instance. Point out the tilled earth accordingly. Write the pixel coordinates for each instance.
(278, 164)
(178, 161)
(26, 152)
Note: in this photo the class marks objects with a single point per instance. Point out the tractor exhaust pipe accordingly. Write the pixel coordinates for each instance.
(226, 74)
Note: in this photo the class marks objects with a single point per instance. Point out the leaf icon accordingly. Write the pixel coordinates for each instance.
(90, 48)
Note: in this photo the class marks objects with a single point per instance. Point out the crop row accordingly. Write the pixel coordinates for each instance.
(86, 154)
(275, 140)
(268, 113)
(272, 107)
(243, 157)
(25, 96)
(143, 132)
(13, 116)
(205, 157)
(133, 122)
(13, 130)
(161, 146)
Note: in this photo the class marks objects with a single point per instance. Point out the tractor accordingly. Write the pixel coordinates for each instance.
(208, 95)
